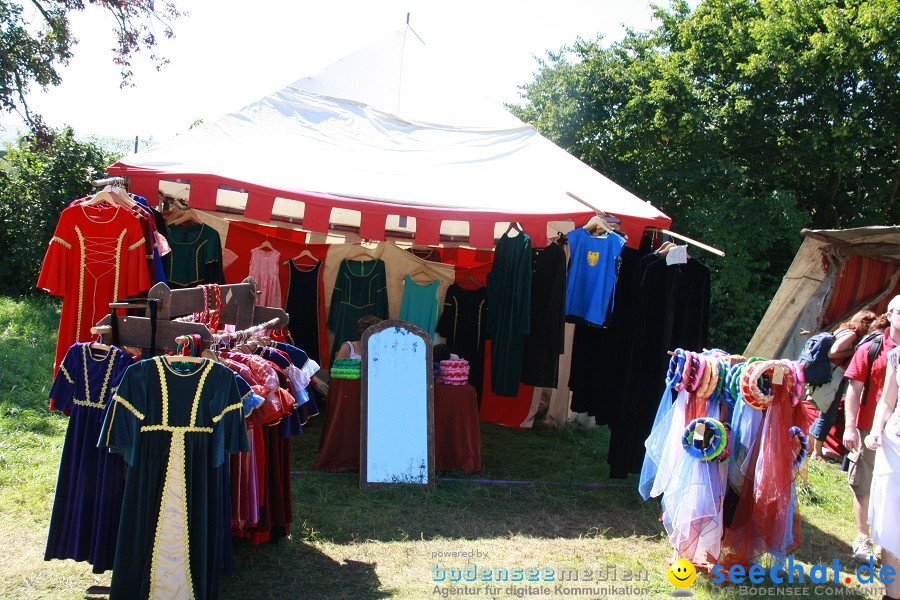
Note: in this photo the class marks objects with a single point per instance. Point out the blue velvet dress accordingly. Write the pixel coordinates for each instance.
(84, 523)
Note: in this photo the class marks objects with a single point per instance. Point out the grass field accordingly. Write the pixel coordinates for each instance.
(346, 543)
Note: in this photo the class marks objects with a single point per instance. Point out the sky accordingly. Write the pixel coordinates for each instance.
(227, 54)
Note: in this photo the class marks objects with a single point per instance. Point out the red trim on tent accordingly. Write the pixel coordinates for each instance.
(259, 206)
(371, 226)
(316, 217)
(146, 186)
(428, 231)
(481, 234)
(318, 206)
(203, 194)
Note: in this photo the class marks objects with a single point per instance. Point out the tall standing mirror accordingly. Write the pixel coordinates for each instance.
(397, 426)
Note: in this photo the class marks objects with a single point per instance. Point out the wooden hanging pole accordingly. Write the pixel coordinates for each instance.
(693, 242)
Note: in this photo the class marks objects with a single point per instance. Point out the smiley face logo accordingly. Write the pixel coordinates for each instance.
(682, 573)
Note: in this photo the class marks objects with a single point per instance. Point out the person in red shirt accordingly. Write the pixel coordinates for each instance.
(858, 414)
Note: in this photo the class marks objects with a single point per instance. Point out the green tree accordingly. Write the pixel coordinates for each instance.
(744, 120)
(30, 53)
(38, 180)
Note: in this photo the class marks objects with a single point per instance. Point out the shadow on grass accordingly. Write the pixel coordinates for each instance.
(293, 569)
(332, 507)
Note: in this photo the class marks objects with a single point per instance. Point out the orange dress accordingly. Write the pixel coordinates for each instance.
(97, 255)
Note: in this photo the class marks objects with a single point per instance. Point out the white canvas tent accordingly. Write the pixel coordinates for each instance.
(385, 142)
(835, 273)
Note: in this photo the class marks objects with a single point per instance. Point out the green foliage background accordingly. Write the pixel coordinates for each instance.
(743, 120)
(38, 179)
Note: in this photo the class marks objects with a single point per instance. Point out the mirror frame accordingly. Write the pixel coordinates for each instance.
(364, 484)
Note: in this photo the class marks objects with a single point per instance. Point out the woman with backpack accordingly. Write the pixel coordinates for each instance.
(846, 338)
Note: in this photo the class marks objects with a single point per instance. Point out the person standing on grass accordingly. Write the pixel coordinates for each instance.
(846, 336)
(884, 440)
(858, 414)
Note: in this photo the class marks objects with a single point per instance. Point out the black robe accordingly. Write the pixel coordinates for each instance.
(672, 311)
(544, 343)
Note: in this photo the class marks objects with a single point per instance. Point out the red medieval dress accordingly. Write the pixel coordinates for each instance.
(96, 256)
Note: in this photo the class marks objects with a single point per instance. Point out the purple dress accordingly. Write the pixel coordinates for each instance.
(84, 523)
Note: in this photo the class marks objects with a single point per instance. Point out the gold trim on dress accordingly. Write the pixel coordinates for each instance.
(65, 373)
(59, 240)
(137, 245)
(85, 349)
(163, 388)
(227, 409)
(200, 385)
(81, 268)
(177, 428)
(118, 259)
(120, 400)
(197, 259)
(112, 421)
(171, 370)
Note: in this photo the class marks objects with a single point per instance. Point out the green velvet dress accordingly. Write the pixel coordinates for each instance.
(174, 427)
(359, 290)
(196, 256)
(509, 311)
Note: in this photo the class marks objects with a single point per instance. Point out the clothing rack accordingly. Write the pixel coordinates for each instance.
(113, 181)
(237, 335)
(239, 309)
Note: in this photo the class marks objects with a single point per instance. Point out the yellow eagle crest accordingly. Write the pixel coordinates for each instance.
(593, 258)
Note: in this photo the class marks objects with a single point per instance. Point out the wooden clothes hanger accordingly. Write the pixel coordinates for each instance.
(598, 222)
(266, 246)
(664, 248)
(185, 216)
(421, 270)
(302, 255)
(122, 198)
(360, 251)
(99, 346)
(471, 278)
(104, 195)
(512, 225)
(173, 358)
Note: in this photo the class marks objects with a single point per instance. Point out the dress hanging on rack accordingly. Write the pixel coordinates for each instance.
(97, 255)
(84, 523)
(463, 324)
(196, 256)
(305, 305)
(509, 320)
(420, 304)
(544, 343)
(359, 290)
(174, 428)
(264, 267)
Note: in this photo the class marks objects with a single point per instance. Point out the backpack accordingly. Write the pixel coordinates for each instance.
(877, 339)
(813, 359)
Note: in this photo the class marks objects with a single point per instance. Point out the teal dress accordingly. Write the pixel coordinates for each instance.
(420, 304)
(359, 290)
(174, 428)
(509, 311)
